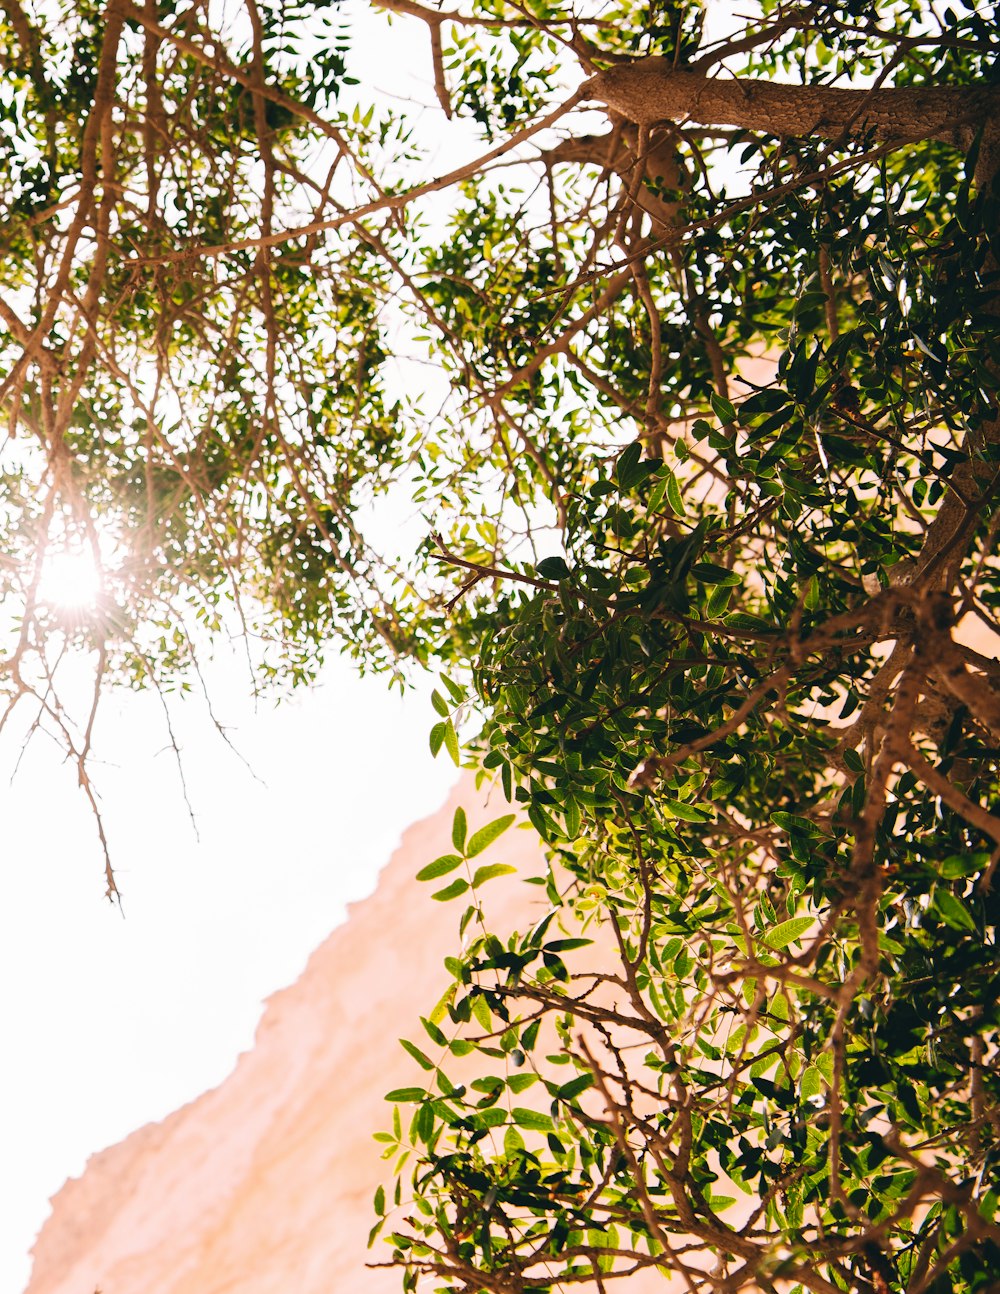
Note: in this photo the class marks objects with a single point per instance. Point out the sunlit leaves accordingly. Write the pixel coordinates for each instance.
(685, 699)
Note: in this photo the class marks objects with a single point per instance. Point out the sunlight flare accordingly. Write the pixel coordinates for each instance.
(70, 579)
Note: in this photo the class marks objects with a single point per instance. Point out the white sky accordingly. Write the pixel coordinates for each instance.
(110, 1022)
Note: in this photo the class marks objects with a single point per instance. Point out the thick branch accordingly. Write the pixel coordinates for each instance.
(651, 90)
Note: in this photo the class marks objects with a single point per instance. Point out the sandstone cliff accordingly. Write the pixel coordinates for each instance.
(264, 1185)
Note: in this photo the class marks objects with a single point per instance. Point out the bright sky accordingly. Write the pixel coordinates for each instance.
(110, 1022)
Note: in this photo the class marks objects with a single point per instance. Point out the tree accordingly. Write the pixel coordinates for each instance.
(709, 548)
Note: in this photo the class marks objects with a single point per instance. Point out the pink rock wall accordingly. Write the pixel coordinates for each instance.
(264, 1185)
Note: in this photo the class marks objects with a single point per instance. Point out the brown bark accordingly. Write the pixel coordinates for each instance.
(651, 90)
(28, 39)
(619, 151)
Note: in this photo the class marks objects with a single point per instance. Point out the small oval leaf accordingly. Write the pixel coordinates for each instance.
(787, 931)
(484, 874)
(485, 836)
(459, 828)
(423, 1061)
(452, 891)
(532, 1119)
(440, 867)
(406, 1094)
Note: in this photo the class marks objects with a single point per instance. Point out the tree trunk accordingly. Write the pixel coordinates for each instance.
(651, 90)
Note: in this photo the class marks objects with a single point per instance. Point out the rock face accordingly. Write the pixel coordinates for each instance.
(265, 1184)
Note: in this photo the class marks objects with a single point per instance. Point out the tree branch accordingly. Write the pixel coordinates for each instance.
(652, 90)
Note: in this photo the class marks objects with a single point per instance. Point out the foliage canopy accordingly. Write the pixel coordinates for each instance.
(707, 463)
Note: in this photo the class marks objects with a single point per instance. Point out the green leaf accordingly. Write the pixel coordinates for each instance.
(423, 1061)
(459, 827)
(452, 891)
(440, 1010)
(485, 836)
(454, 691)
(709, 573)
(569, 1091)
(787, 932)
(751, 624)
(552, 568)
(956, 866)
(674, 496)
(628, 470)
(512, 1141)
(809, 301)
(406, 1094)
(792, 822)
(953, 912)
(687, 812)
(604, 1239)
(440, 867)
(532, 1119)
(484, 874)
(451, 742)
(718, 601)
(722, 408)
(659, 489)
(437, 737)
(433, 1032)
(423, 1124)
(439, 704)
(481, 1011)
(380, 1201)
